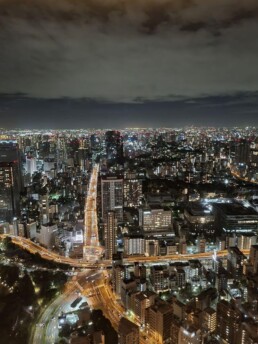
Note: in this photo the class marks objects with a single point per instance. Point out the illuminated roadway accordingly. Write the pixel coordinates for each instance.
(78, 263)
(46, 330)
(97, 291)
(92, 249)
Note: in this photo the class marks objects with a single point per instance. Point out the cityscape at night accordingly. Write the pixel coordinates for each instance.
(128, 172)
(129, 236)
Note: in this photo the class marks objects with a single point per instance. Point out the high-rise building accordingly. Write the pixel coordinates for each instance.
(10, 180)
(118, 274)
(114, 145)
(160, 319)
(228, 321)
(209, 319)
(110, 237)
(235, 262)
(142, 301)
(132, 190)
(128, 332)
(112, 197)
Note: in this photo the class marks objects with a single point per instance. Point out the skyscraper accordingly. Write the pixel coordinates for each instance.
(10, 180)
(114, 145)
(228, 321)
(160, 319)
(110, 237)
(112, 197)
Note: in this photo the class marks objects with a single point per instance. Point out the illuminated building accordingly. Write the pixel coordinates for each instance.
(110, 237)
(142, 301)
(200, 218)
(31, 165)
(209, 319)
(159, 320)
(236, 217)
(228, 321)
(159, 278)
(46, 236)
(235, 261)
(242, 151)
(155, 219)
(114, 145)
(128, 289)
(118, 274)
(10, 180)
(132, 190)
(244, 242)
(249, 333)
(112, 197)
(134, 245)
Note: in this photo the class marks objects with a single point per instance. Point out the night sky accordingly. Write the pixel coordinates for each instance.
(128, 63)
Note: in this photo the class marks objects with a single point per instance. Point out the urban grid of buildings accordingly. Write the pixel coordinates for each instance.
(160, 193)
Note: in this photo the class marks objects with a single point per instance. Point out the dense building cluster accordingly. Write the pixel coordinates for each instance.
(161, 193)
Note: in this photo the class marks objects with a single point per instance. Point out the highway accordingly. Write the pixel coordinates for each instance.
(93, 281)
(103, 296)
(92, 249)
(33, 248)
(46, 330)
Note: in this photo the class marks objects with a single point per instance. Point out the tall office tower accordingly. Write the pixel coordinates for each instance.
(110, 237)
(235, 262)
(10, 180)
(114, 145)
(242, 151)
(128, 332)
(229, 320)
(160, 318)
(112, 197)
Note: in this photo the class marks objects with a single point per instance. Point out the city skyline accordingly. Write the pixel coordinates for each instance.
(129, 171)
(20, 112)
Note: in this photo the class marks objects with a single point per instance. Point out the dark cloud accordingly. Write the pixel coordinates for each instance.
(127, 51)
(19, 112)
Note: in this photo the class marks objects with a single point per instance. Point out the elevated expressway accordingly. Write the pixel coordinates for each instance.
(92, 250)
(33, 248)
